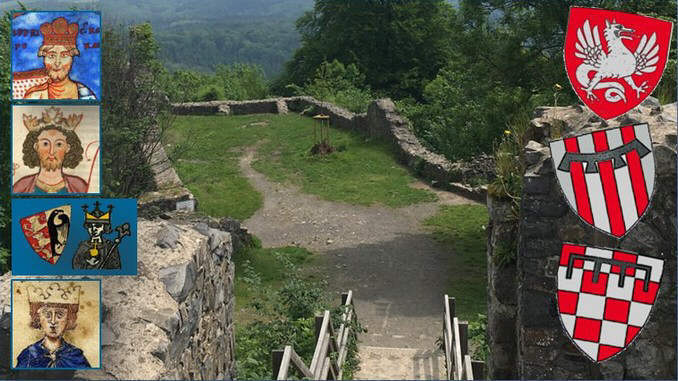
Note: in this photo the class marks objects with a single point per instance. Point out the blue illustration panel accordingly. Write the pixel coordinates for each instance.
(56, 55)
(74, 236)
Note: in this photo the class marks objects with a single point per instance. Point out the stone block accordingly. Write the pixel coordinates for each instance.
(178, 279)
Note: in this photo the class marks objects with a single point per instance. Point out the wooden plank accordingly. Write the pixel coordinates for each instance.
(316, 362)
(457, 350)
(325, 370)
(322, 355)
(450, 338)
(343, 342)
(276, 360)
(284, 363)
(478, 369)
(448, 356)
(452, 305)
(318, 326)
(463, 337)
(299, 364)
(468, 370)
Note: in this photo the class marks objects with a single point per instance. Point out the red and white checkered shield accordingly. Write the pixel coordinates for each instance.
(607, 176)
(605, 297)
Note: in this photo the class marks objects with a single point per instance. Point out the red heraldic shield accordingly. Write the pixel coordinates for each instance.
(614, 60)
(605, 297)
(47, 232)
(607, 176)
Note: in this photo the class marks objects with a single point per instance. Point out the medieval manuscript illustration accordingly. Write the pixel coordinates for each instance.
(56, 56)
(56, 324)
(96, 236)
(55, 149)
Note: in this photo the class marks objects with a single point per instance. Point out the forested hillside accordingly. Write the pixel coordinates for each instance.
(200, 35)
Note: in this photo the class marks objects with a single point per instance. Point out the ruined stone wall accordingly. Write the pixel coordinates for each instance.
(501, 290)
(381, 120)
(543, 349)
(172, 321)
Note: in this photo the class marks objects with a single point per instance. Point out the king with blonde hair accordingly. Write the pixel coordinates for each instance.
(57, 51)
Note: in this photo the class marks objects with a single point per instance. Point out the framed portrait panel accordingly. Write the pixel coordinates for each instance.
(56, 56)
(56, 150)
(56, 324)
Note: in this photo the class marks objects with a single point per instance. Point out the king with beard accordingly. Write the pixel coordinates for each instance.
(51, 145)
(57, 50)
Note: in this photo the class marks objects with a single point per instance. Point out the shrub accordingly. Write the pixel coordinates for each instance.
(286, 317)
(210, 93)
(340, 84)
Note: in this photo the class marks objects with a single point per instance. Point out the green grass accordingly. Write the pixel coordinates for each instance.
(259, 269)
(361, 172)
(463, 228)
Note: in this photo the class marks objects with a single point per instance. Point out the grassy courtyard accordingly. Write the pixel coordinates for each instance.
(463, 228)
(361, 171)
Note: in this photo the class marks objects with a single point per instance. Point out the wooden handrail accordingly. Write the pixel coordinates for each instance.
(327, 342)
(455, 336)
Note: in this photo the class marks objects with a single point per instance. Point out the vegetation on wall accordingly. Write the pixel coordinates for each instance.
(135, 110)
(5, 258)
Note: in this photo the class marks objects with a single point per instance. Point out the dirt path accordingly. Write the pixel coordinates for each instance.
(395, 269)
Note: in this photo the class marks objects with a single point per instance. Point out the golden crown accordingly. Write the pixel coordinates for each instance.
(96, 215)
(52, 116)
(54, 293)
(59, 32)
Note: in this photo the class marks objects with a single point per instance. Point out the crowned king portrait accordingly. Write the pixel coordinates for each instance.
(58, 52)
(51, 145)
(53, 309)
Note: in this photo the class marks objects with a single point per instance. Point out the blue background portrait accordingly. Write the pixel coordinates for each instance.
(86, 67)
(25, 261)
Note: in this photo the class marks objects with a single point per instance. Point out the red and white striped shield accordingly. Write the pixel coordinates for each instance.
(605, 297)
(607, 176)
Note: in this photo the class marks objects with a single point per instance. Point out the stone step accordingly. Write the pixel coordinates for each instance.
(380, 363)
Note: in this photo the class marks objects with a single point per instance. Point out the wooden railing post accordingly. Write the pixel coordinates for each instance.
(318, 326)
(463, 337)
(452, 303)
(276, 360)
(478, 370)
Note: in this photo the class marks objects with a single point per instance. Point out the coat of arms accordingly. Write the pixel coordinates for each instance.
(605, 297)
(614, 60)
(47, 232)
(607, 176)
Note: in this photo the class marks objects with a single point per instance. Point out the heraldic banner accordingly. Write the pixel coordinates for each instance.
(74, 236)
(605, 297)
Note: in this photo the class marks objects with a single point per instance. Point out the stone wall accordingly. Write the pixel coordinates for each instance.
(543, 349)
(170, 193)
(172, 321)
(501, 290)
(381, 120)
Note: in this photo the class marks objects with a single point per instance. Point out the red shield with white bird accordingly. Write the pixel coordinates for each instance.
(614, 60)
(47, 232)
(607, 176)
(605, 297)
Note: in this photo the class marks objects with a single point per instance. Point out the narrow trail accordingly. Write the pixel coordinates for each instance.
(396, 270)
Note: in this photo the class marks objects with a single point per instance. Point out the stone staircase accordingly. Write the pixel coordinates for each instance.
(381, 363)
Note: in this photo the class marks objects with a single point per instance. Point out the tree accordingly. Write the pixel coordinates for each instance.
(5, 233)
(507, 59)
(135, 110)
(398, 44)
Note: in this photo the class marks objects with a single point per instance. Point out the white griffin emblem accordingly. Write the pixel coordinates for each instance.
(617, 62)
